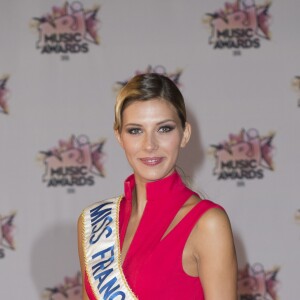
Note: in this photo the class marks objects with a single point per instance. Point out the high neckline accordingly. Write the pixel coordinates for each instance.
(165, 197)
(154, 189)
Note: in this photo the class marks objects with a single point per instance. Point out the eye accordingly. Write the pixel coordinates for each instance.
(134, 131)
(166, 128)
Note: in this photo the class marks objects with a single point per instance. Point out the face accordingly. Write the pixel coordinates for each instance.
(151, 136)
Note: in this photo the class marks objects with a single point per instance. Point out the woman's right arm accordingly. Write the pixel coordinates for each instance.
(81, 256)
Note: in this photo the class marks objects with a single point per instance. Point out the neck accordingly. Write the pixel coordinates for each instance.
(140, 192)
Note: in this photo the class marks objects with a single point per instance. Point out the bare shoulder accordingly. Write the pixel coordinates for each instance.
(214, 251)
(214, 218)
(213, 229)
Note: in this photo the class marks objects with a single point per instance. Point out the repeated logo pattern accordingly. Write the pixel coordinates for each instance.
(70, 289)
(254, 283)
(67, 29)
(74, 162)
(3, 95)
(244, 156)
(240, 25)
(7, 233)
(174, 76)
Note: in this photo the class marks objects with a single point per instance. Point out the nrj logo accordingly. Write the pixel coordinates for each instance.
(244, 156)
(240, 25)
(254, 283)
(70, 289)
(74, 163)
(3, 95)
(67, 29)
(7, 233)
(159, 69)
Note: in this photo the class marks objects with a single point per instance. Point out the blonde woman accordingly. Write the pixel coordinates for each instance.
(159, 240)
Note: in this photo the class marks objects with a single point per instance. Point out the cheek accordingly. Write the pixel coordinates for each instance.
(172, 144)
(130, 147)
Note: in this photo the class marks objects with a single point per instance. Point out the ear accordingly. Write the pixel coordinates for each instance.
(118, 137)
(186, 135)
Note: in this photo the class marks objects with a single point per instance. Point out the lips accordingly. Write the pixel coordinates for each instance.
(151, 161)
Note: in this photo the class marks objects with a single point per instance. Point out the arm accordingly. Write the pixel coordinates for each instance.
(81, 256)
(215, 255)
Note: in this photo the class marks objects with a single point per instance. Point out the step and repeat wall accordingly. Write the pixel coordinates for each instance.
(61, 66)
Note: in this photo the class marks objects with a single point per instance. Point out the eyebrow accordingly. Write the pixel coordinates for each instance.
(159, 123)
(166, 121)
(132, 124)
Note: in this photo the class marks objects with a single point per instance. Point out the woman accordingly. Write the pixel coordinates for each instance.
(160, 240)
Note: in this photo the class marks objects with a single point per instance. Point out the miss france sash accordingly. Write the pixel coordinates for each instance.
(101, 248)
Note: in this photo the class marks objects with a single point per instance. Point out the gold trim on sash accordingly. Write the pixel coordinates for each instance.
(102, 253)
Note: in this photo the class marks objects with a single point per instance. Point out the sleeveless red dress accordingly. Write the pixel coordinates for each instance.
(153, 266)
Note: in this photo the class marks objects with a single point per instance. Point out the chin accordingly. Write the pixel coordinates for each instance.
(154, 175)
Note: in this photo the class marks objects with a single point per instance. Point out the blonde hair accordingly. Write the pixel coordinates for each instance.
(145, 87)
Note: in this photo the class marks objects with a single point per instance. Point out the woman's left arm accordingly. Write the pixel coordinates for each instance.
(215, 255)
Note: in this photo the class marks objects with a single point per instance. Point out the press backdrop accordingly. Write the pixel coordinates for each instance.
(61, 65)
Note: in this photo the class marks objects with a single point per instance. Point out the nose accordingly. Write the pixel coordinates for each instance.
(150, 142)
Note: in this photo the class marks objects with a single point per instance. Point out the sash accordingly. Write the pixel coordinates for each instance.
(101, 248)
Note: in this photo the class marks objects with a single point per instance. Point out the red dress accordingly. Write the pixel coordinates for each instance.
(153, 266)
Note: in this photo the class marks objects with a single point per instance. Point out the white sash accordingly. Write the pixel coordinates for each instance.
(101, 247)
